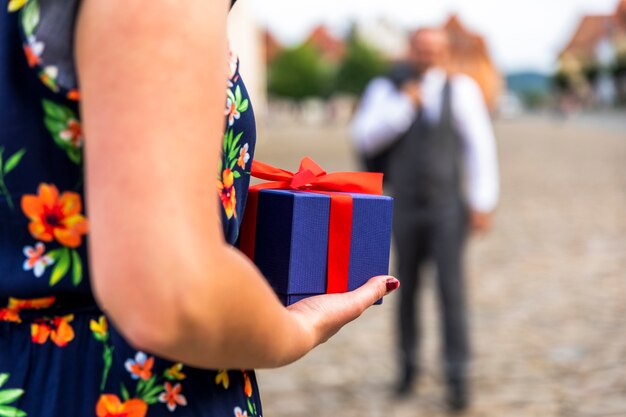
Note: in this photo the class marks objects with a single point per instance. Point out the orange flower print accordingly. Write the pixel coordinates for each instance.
(36, 260)
(140, 367)
(227, 192)
(244, 156)
(33, 50)
(57, 329)
(247, 384)
(240, 413)
(109, 405)
(12, 311)
(72, 133)
(62, 333)
(55, 217)
(73, 95)
(33, 303)
(10, 315)
(172, 396)
(235, 105)
(39, 332)
(231, 111)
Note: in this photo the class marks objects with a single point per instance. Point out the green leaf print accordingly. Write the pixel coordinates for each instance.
(6, 411)
(251, 409)
(64, 126)
(234, 150)
(8, 396)
(231, 149)
(77, 268)
(228, 136)
(139, 388)
(5, 168)
(13, 161)
(242, 106)
(30, 17)
(62, 265)
(240, 103)
(152, 396)
(56, 111)
(124, 391)
(75, 155)
(107, 358)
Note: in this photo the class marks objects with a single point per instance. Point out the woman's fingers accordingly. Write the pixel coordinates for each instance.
(325, 315)
(375, 289)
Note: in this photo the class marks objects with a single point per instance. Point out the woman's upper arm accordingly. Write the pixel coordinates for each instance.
(153, 78)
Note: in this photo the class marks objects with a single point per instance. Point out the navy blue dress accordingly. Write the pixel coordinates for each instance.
(59, 355)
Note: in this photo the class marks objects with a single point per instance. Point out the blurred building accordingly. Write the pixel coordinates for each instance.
(246, 40)
(593, 50)
(387, 38)
(331, 48)
(272, 46)
(470, 56)
(469, 52)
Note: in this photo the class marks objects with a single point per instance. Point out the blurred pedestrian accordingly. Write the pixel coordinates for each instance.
(438, 147)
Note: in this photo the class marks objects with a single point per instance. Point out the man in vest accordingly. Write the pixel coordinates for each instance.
(432, 133)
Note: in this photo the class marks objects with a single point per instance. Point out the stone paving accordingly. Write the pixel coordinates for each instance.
(547, 289)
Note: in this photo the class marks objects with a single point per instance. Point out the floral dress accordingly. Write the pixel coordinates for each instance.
(59, 355)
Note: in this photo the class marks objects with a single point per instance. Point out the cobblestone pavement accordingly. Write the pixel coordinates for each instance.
(547, 289)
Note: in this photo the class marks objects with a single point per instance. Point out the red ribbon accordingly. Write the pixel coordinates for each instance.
(311, 177)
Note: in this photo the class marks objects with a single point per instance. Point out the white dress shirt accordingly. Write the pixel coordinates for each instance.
(385, 113)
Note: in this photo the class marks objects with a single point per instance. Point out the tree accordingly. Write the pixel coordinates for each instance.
(360, 65)
(299, 73)
(561, 81)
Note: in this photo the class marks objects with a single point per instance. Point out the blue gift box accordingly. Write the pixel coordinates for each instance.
(291, 246)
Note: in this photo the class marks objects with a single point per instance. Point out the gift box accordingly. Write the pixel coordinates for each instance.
(307, 240)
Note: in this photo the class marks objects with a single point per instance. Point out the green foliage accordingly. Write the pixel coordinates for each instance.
(361, 64)
(561, 81)
(534, 99)
(591, 71)
(299, 73)
(619, 67)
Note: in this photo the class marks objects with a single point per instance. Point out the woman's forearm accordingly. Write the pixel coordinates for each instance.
(229, 317)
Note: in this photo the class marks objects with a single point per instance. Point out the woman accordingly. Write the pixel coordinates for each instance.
(159, 265)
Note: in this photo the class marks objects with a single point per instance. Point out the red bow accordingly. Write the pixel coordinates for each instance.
(311, 177)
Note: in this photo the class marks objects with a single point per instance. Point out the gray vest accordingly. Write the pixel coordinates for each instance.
(425, 166)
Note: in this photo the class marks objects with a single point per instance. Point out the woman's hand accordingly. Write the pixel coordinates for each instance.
(324, 315)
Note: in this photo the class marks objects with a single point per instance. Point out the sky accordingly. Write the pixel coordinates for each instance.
(521, 35)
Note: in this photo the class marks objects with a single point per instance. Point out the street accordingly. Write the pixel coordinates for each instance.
(547, 288)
